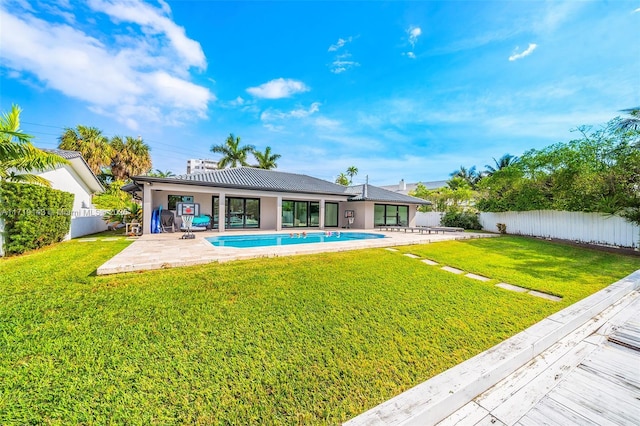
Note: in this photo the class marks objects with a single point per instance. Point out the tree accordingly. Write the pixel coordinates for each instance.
(159, 173)
(632, 122)
(17, 154)
(130, 157)
(351, 172)
(91, 143)
(503, 162)
(469, 175)
(342, 179)
(232, 153)
(266, 160)
(596, 173)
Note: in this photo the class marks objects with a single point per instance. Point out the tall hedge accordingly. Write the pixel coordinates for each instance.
(34, 216)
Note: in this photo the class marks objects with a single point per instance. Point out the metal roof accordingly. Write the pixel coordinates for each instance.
(254, 178)
(272, 180)
(67, 155)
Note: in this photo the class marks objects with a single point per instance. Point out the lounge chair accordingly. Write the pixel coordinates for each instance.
(167, 221)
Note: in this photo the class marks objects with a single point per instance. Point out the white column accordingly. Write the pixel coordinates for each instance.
(222, 212)
(147, 207)
(279, 213)
(322, 213)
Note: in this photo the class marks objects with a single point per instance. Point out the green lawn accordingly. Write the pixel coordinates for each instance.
(294, 340)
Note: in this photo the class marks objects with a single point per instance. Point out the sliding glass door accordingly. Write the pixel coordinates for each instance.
(300, 214)
(240, 213)
(389, 215)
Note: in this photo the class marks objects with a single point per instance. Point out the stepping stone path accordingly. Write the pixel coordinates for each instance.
(505, 286)
(512, 287)
(477, 277)
(545, 295)
(111, 239)
(87, 240)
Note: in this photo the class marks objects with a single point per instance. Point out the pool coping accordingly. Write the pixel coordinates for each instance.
(168, 250)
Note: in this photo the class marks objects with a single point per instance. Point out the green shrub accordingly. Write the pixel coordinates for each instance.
(460, 219)
(34, 216)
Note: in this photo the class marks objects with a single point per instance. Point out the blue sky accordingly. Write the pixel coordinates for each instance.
(401, 90)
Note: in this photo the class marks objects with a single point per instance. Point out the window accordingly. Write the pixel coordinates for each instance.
(388, 214)
(175, 199)
(331, 215)
(300, 214)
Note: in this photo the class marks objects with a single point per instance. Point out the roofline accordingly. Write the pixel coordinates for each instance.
(228, 185)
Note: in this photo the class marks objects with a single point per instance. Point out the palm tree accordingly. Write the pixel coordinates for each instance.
(342, 179)
(90, 142)
(18, 154)
(232, 153)
(632, 122)
(469, 175)
(501, 163)
(130, 157)
(266, 160)
(351, 172)
(159, 173)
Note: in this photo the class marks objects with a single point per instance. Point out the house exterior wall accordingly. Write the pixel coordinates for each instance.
(270, 204)
(85, 219)
(65, 179)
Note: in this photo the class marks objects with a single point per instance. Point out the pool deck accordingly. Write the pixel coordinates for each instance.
(168, 250)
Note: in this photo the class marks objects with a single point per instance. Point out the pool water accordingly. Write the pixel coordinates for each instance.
(248, 241)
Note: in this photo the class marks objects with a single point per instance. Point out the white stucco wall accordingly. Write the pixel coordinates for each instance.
(65, 179)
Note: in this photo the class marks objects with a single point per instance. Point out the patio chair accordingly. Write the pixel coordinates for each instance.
(167, 221)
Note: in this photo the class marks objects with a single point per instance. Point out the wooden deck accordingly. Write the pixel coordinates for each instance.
(585, 379)
(603, 389)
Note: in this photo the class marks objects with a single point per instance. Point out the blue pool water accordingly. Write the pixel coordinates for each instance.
(247, 241)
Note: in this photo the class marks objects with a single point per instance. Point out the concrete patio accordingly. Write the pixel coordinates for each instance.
(167, 250)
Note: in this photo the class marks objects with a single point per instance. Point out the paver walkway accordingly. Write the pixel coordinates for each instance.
(157, 251)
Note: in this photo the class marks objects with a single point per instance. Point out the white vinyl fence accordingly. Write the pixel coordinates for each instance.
(428, 218)
(593, 228)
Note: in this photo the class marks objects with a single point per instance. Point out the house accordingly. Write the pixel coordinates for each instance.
(405, 188)
(78, 179)
(251, 198)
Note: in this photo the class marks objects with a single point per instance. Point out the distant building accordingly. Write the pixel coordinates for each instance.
(405, 188)
(200, 165)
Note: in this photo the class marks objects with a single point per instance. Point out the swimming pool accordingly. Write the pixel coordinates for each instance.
(265, 240)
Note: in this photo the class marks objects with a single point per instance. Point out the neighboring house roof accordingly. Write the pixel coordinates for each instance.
(405, 188)
(80, 166)
(272, 180)
(374, 193)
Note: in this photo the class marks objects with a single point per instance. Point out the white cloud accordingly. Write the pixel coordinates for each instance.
(414, 33)
(341, 64)
(298, 113)
(143, 76)
(527, 52)
(341, 42)
(637, 10)
(278, 88)
(154, 21)
(410, 55)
